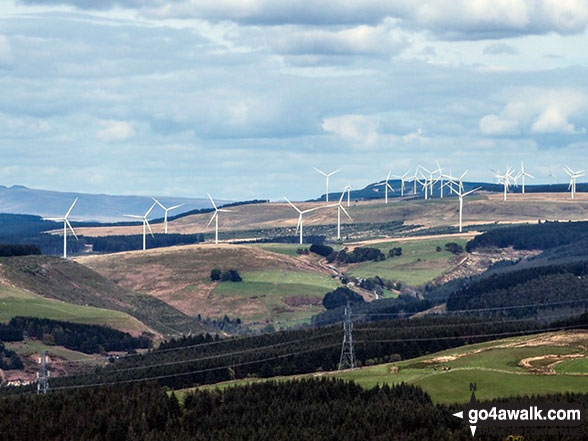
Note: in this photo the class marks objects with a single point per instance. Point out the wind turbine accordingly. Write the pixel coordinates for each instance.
(348, 188)
(505, 180)
(573, 176)
(301, 213)
(440, 171)
(402, 182)
(215, 217)
(166, 210)
(386, 186)
(522, 174)
(327, 175)
(145, 224)
(66, 225)
(459, 192)
(339, 209)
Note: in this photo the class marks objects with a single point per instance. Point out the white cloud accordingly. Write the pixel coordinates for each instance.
(494, 125)
(115, 131)
(356, 128)
(364, 131)
(537, 111)
(358, 40)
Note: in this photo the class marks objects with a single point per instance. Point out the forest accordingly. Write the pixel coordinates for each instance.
(89, 339)
(542, 236)
(544, 289)
(312, 409)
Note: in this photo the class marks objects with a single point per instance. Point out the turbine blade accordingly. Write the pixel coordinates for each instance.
(150, 209)
(175, 206)
(471, 191)
(212, 202)
(293, 206)
(134, 216)
(70, 208)
(212, 218)
(332, 173)
(320, 171)
(159, 203)
(345, 211)
(390, 187)
(71, 228)
(225, 210)
(148, 226)
(388, 177)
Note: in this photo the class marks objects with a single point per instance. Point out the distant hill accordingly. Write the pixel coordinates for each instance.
(90, 207)
(376, 191)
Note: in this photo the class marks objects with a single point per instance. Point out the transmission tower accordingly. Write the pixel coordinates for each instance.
(347, 360)
(43, 375)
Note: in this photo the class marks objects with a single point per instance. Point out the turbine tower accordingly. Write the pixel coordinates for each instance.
(522, 174)
(166, 210)
(215, 217)
(66, 225)
(327, 176)
(386, 186)
(505, 180)
(301, 213)
(145, 224)
(402, 182)
(460, 194)
(573, 176)
(339, 209)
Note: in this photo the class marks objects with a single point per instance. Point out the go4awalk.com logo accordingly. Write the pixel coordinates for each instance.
(519, 414)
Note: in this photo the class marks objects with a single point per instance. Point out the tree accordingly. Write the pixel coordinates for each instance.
(215, 274)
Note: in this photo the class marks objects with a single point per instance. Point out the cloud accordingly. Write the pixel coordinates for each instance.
(500, 49)
(358, 40)
(537, 111)
(356, 128)
(494, 125)
(116, 131)
(366, 131)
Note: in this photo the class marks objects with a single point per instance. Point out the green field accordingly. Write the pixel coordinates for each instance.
(289, 249)
(278, 291)
(493, 366)
(420, 262)
(36, 347)
(14, 302)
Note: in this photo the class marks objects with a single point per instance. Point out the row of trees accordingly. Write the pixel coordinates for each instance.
(312, 409)
(89, 339)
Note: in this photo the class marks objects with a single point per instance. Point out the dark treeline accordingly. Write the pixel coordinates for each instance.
(89, 339)
(113, 244)
(400, 307)
(200, 360)
(10, 250)
(9, 359)
(311, 409)
(545, 288)
(308, 239)
(531, 237)
(359, 254)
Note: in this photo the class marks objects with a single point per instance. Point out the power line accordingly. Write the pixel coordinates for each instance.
(347, 359)
(160, 377)
(211, 357)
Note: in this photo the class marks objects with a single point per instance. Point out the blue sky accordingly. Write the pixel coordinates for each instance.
(242, 98)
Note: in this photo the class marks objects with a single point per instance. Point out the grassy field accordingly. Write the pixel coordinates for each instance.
(501, 368)
(36, 347)
(420, 261)
(279, 291)
(278, 287)
(14, 302)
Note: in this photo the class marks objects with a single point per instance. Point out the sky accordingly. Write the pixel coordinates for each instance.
(242, 98)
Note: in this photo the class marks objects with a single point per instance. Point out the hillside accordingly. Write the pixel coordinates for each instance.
(277, 288)
(544, 363)
(55, 279)
(481, 209)
(90, 207)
